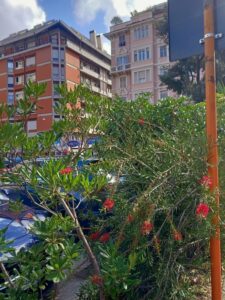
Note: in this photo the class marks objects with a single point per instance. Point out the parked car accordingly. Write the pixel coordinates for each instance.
(17, 215)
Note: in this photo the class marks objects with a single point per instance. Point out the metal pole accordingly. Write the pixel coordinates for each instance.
(211, 125)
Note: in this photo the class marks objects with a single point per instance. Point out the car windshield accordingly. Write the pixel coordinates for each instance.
(14, 194)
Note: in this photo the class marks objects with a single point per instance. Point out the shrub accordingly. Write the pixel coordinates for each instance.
(147, 234)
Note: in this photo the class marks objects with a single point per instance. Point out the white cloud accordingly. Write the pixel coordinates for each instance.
(86, 11)
(106, 45)
(17, 15)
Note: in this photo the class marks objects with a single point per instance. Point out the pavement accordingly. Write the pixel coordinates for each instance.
(68, 289)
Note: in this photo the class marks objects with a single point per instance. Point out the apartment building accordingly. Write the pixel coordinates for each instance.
(139, 56)
(53, 53)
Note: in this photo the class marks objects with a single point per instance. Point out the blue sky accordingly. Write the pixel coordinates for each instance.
(83, 15)
(64, 10)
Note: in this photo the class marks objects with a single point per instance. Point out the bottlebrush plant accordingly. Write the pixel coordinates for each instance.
(146, 232)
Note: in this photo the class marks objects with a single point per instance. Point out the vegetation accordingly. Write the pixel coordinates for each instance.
(186, 76)
(147, 232)
(116, 20)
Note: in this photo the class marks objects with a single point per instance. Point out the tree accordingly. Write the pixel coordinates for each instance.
(116, 20)
(185, 77)
(134, 13)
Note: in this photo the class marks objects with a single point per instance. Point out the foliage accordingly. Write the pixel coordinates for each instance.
(142, 232)
(134, 13)
(47, 261)
(116, 20)
(186, 76)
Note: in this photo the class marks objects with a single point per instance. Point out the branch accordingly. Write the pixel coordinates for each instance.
(6, 274)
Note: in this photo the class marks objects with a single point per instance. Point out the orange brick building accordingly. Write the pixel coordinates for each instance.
(53, 53)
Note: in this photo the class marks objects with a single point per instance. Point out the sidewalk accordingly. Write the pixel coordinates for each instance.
(68, 289)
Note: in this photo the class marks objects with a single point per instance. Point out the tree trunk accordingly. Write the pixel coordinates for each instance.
(86, 245)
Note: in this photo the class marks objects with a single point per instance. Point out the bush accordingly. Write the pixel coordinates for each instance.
(148, 238)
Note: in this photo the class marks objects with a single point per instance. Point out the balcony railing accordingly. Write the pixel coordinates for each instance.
(120, 68)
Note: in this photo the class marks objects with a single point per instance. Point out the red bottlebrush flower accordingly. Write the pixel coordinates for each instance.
(141, 121)
(177, 235)
(95, 235)
(96, 279)
(66, 171)
(104, 238)
(202, 210)
(206, 181)
(130, 218)
(108, 204)
(146, 227)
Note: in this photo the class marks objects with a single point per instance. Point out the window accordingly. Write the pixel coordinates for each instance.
(31, 77)
(62, 73)
(142, 76)
(10, 66)
(32, 125)
(62, 54)
(55, 87)
(30, 61)
(141, 32)
(20, 79)
(19, 64)
(163, 51)
(10, 99)
(163, 94)
(44, 39)
(54, 39)
(63, 40)
(19, 47)
(31, 44)
(142, 54)
(122, 60)
(56, 72)
(10, 81)
(56, 118)
(122, 41)
(123, 82)
(163, 70)
(55, 54)
(19, 95)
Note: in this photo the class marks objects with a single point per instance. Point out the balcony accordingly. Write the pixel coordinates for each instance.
(89, 72)
(120, 68)
(95, 89)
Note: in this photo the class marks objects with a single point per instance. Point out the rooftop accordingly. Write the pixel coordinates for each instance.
(153, 10)
(23, 34)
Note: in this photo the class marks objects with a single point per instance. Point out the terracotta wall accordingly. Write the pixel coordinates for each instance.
(44, 123)
(43, 55)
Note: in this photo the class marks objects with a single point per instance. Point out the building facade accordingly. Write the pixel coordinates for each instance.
(53, 53)
(139, 56)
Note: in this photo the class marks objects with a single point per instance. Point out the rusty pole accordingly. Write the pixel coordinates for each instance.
(211, 126)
